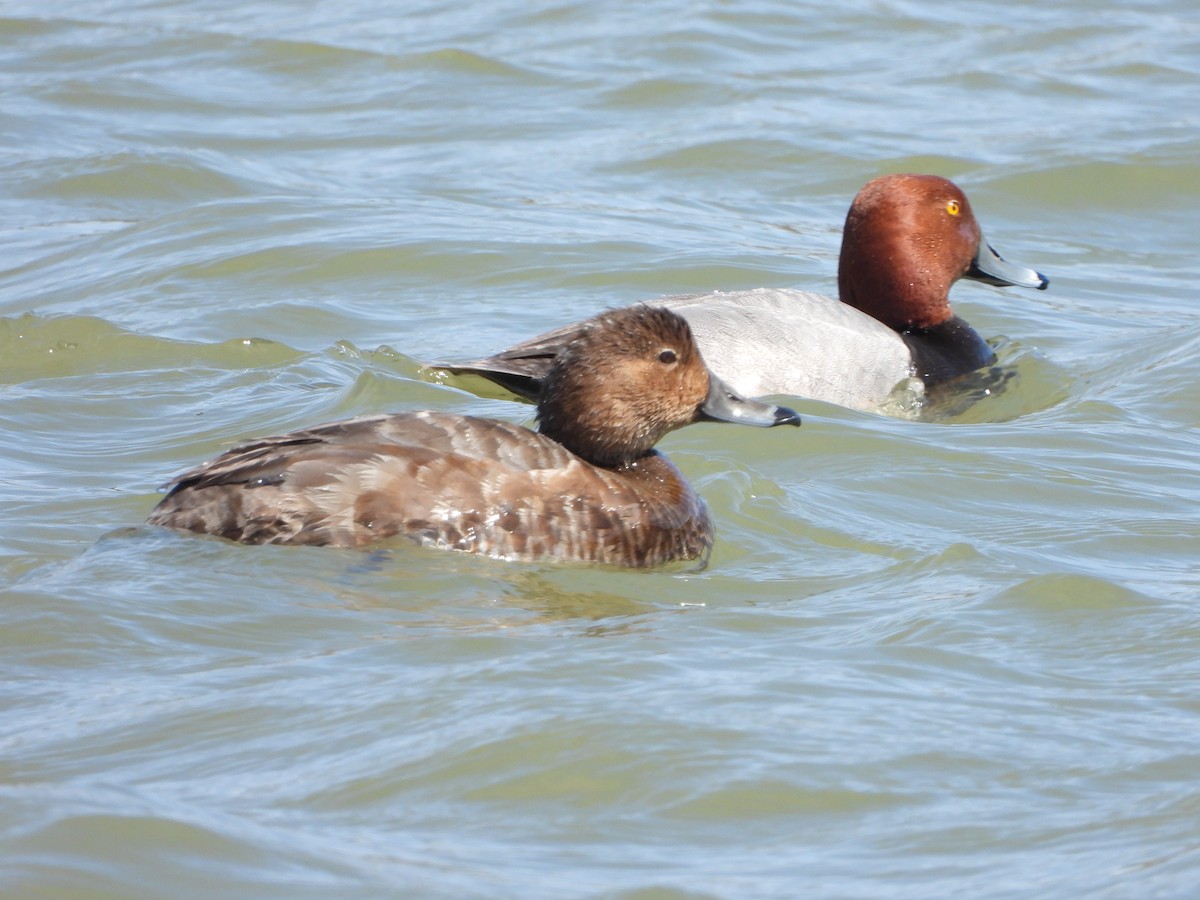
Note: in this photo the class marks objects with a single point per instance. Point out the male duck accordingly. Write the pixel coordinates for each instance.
(907, 239)
(587, 486)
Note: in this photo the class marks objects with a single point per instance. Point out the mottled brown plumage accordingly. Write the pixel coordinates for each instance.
(588, 487)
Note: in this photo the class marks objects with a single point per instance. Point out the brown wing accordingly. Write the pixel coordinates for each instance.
(283, 489)
(442, 480)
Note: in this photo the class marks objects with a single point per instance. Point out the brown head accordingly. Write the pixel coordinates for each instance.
(631, 376)
(907, 239)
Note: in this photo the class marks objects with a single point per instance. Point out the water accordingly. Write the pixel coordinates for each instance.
(952, 656)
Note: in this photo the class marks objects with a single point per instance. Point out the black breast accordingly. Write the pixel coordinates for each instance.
(947, 351)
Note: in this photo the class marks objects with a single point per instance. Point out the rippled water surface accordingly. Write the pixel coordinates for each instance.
(948, 657)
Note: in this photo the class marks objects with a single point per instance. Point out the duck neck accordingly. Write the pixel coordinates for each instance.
(881, 270)
(607, 447)
(900, 297)
(947, 350)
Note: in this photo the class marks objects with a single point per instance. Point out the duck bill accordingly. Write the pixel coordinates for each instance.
(990, 267)
(723, 404)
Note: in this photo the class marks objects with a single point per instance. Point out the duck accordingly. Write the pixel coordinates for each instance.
(907, 239)
(586, 486)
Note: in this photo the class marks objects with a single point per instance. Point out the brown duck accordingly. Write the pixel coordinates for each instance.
(586, 486)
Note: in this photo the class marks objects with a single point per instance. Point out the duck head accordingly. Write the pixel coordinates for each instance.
(631, 376)
(907, 239)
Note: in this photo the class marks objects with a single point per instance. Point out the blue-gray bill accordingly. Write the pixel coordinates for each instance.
(723, 404)
(990, 267)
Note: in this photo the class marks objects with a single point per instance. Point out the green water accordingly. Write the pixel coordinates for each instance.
(955, 656)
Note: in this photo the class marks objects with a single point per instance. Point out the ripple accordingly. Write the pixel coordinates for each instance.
(950, 656)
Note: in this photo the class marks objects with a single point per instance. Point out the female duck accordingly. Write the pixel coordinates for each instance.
(587, 486)
(907, 239)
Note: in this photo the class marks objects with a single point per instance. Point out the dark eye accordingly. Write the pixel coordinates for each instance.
(667, 356)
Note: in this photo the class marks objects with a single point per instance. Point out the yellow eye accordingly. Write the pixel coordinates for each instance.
(952, 207)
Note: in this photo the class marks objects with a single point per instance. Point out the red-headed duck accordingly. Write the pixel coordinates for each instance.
(907, 239)
(586, 486)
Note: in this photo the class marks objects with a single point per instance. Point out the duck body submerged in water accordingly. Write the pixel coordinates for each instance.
(907, 240)
(587, 486)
